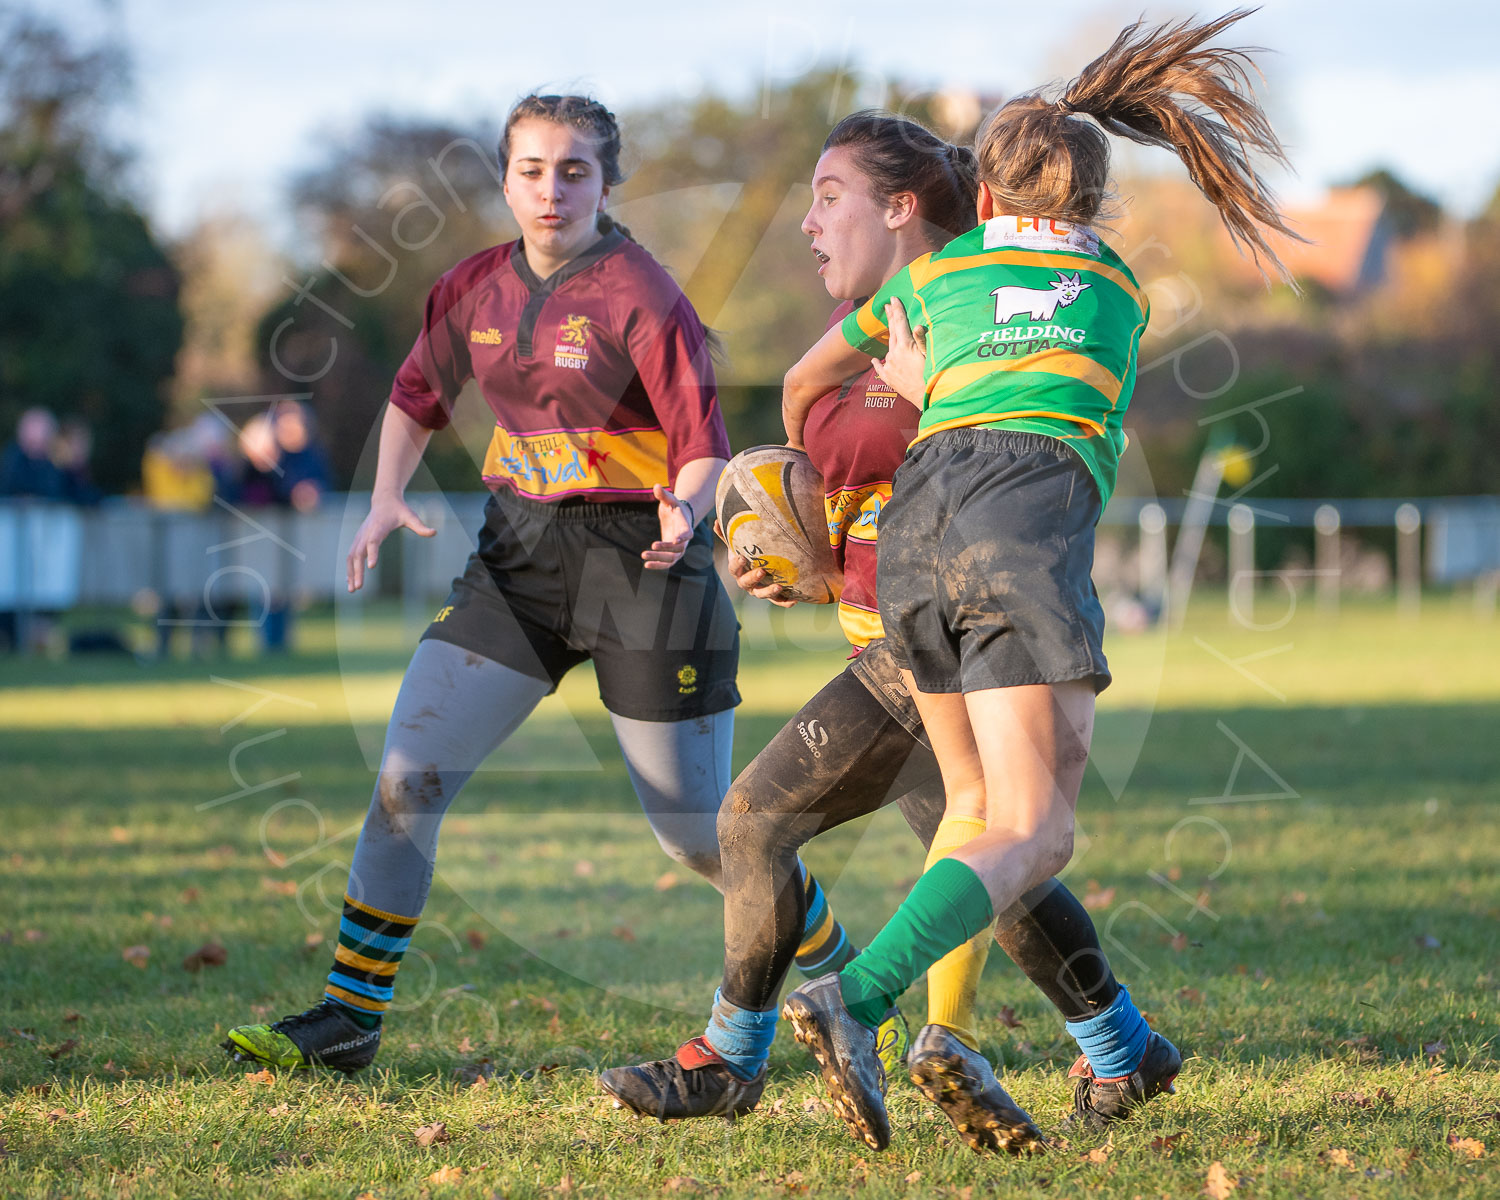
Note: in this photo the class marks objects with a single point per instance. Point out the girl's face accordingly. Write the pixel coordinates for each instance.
(555, 187)
(852, 237)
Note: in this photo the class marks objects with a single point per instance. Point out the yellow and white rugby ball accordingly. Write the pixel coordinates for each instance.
(770, 503)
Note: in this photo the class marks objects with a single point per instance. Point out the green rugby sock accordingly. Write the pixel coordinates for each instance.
(947, 906)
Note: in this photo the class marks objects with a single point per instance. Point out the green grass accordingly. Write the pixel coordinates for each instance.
(1328, 958)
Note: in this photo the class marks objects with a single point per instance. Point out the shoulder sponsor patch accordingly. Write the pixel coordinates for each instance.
(1039, 233)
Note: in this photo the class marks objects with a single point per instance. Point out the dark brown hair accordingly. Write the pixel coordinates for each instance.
(587, 117)
(898, 154)
(1157, 86)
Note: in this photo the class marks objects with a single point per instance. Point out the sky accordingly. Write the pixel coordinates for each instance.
(231, 99)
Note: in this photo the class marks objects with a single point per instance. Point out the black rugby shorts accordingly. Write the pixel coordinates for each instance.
(552, 585)
(985, 553)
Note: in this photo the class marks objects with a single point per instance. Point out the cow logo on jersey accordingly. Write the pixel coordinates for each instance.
(1041, 304)
(572, 349)
(687, 681)
(486, 337)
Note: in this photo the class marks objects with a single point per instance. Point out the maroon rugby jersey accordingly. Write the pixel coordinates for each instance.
(856, 437)
(599, 375)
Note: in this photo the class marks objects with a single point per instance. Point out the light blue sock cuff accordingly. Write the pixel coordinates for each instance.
(742, 1037)
(1114, 1041)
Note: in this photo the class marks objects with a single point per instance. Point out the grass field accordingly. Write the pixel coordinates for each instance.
(1290, 847)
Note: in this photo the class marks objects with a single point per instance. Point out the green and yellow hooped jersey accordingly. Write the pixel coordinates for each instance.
(1032, 324)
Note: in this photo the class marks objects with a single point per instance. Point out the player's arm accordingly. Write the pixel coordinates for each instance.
(402, 441)
(691, 494)
(820, 370)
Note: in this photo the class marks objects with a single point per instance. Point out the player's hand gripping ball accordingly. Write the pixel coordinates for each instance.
(770, 502)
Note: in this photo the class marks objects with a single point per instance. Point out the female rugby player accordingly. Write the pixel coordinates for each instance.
(884, 191)
(607, 446)
(984, 591)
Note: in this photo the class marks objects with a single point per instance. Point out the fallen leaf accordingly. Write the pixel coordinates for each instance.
(624, 933)
(279, 1110)
(792, 1177)
(264, 1077)
(312, 942)
(1008, 1017)
(1099, 1155)
(210, 954)
(428, 1135)
(544, 1003)
(583, 868)
(565, 1184)
(1096, 898)
(34, 935)
(554, 1026)
(1168, 1142)
(1174, 873)
(1466, 1147)
(119, 834)
(665, 883)
(1180, 942)
(367, 1196)
(465, 1047)
(914, 1176)
(1190, 995)
(280, 887)
(679, 1183)
(446, 1175)
(64, 1048)
(1218, 1185)
(69, 1017)
(475, 939)
(1294, 898)
(540, 1068)
(190, 895)
(1337, 1158)
(137, 956)
(275, 857)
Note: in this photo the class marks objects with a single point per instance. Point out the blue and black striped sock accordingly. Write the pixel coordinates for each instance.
(825, 943)
(371, 945)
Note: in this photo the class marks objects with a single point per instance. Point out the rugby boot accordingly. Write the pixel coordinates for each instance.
(892, 1041)
(845, 1051)
(962, 1083)
(1097, 1102)
(323, 1036)
(694, 1082)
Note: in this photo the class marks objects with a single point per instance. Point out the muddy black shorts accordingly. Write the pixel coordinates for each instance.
(985, 553)
(552, 585)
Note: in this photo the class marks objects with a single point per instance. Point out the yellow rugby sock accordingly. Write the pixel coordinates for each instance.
(953, 980)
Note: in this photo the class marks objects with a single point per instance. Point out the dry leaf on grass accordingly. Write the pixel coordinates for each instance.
(1337, 1158)
(278, 1110)
(914, 1176)
(64, 1048)
(265, 1077)
(667, 882)
(1098, 1155)
(428, 1135)
(69, 1017)
(1096, 898)
(279, 887)
(1168, 1142)
(446, 1175)
(1190, 995)
(210, 954)
(1180, 942)
(475, 939)
(34, 935)
(1466, 1147)
(137, 956)
(1008, 1017)
(681, 1183)
(624, 933)
(1217, 1185)
(465, 1046)
(583, 868)
(367, 1196)
(190, 895)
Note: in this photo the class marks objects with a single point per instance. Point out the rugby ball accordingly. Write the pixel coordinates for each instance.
(770, 504)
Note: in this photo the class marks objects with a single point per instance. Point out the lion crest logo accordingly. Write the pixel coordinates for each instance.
(574, 332)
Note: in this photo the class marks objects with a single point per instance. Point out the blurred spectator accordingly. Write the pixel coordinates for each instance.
(304, 464)
(260, 484)
(26, 467)
(175, 476)
(72, 451)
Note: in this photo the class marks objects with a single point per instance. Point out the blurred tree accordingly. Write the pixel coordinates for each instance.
(229, 276)
(89, 325)
(1409, 212)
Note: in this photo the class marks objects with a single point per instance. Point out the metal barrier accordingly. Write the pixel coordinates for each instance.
(54, 557)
